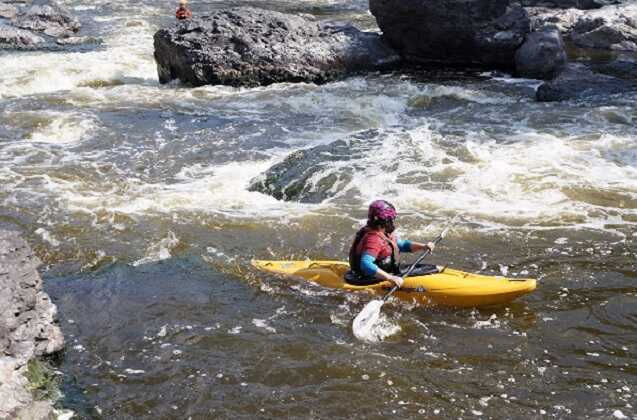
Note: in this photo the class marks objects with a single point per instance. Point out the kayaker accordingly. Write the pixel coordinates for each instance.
(183, 12)
(375, 253)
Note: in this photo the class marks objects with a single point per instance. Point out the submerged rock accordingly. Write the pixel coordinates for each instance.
(482, 33)
(301, 176)
(579, 82)
(247, 47)
(622, 68)
(542, 56)
(28, 327)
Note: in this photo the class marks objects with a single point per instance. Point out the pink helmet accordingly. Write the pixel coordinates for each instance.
(381, 210)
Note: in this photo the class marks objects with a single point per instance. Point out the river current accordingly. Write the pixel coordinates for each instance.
(135, 196)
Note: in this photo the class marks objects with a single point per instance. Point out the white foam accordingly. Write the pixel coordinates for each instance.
(222, 189)
(372, 325)
(262, 323)
(48, 237)
(63, 128)
(524, 180)
(159, 251)
(619, 415)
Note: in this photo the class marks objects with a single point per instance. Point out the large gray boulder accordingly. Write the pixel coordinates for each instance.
(542, 56)
(484, 33)
(247, 47)
(28, 327)
(579, 82)
(609, 28)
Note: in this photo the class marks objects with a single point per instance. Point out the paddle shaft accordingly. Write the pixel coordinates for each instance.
(411, 268)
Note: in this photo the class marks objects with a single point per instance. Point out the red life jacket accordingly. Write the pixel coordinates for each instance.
(183, 13)
(388, 263)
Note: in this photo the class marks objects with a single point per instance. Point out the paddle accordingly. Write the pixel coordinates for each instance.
(369, 315)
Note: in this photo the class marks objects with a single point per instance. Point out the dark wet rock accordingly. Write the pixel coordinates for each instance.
(27, 26)
(542, 56)
(482, 33)
(579, 82)
(609, 28)
(28, 327)
(567, 4)
(318, 173)
(247, 47)
(295, 179)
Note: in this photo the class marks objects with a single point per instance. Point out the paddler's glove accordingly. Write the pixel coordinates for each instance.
(398, 281)
(431, 246)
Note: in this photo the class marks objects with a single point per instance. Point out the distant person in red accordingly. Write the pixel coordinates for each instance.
(183, 12)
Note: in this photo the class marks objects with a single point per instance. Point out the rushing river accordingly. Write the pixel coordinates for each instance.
(135, 196)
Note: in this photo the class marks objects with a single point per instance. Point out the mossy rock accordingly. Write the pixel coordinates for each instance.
(43, 382)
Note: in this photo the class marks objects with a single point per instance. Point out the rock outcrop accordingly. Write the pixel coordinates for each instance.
(579, 82)
(481, 33)
(562, 19)
(568, 4)
(317, 173)
(542, 56)
(302, 176)
(28, 327)
(247, 47)
(35, 25)
(608, 28)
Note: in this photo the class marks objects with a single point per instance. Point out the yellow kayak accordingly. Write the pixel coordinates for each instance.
(448, 287)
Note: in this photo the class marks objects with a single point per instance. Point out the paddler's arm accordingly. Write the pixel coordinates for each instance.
(408, 246)
(369, 268)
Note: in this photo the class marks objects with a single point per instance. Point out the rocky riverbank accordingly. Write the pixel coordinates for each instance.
(28, 330)
(39, 24)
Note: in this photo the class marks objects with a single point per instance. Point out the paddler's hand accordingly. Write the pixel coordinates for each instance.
(431, 246)
(398, 281)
